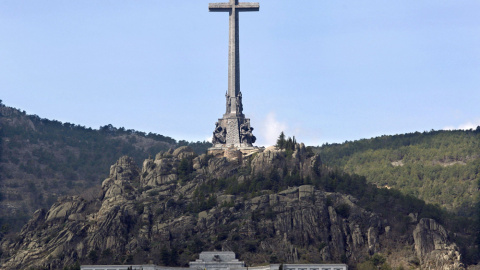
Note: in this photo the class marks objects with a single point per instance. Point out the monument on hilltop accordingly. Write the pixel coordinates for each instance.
(233, 130)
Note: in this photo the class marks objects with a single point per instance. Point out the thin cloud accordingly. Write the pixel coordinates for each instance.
(269, 130)
(465, 126)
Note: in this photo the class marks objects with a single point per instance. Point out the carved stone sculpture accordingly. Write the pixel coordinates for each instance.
(239, 103)
(219, 134)
(228, 102)
(246, 133)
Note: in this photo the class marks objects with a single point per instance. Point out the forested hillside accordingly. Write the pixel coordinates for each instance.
(42, 159)
(440, 167)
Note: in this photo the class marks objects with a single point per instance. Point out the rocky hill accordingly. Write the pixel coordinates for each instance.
(43, 159)
(269, 206)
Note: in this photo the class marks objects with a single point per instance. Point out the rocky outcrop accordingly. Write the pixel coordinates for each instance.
(177, 205)
(433, 248)
(121, 174)
(270, 159)
(164, 168)
(302, 162)
(183, 152)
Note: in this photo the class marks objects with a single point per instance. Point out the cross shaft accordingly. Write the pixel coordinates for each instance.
(233, 7)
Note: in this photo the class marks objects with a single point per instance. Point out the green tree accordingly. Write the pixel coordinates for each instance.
(376, 262)
(289, 144)
(75, 266)
(186, 167)
(165, 256)
(281, 141)
(93, 256)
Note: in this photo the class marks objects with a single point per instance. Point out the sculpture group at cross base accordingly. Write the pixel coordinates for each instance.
(246, 134)
(219, 134)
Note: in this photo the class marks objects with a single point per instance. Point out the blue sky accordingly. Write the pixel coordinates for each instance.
(324, 71)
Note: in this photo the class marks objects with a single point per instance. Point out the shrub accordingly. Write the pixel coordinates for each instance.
(343, 210)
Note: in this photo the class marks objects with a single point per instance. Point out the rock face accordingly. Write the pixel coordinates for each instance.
(179, 204)
(432, 246)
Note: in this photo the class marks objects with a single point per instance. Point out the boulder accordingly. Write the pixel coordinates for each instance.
(183, 152)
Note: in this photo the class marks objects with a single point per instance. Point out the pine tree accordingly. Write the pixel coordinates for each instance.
(289, 144)
(281, 141)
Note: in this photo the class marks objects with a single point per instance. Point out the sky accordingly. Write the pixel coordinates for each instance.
(322, 71)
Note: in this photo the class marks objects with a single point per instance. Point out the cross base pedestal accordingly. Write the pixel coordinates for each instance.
(233, 130)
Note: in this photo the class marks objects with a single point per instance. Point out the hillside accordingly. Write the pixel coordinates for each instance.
(271, 206)
(440, 167)
(43, 159)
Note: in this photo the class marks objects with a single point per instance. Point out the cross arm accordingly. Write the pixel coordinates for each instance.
(245, 6)
(216, 7)
(248, 6)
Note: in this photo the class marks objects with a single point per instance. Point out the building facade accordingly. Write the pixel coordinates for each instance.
(218, 260)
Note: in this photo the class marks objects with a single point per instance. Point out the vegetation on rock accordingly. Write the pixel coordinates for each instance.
(43, 159)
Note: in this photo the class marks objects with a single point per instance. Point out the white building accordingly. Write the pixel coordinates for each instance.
(218, 260)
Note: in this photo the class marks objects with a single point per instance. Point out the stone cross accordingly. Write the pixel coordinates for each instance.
(233, 130)
(233, 7)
